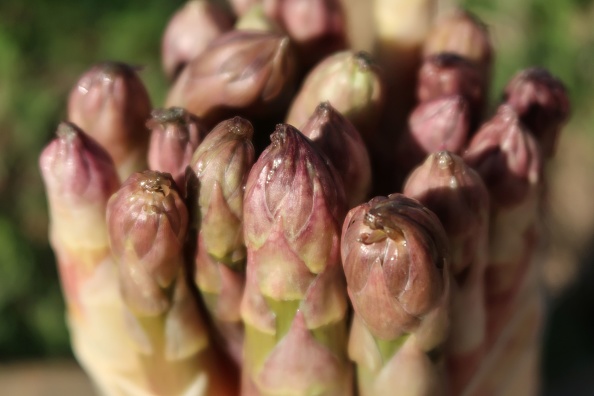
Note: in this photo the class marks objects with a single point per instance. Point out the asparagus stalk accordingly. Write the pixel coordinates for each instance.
(459, 198)
(317, 27)
(337, 137)
(111, 104)
(148, 223)
(245, 73)
(221, 165)
(447, 74)
(508, 159)
(542, 104)
(440, 124)
(464, 34)
(351, 82)
(396, 261)
(294, 306)
(79, 178)
(175, 135)
(189, 31)
(400, 28)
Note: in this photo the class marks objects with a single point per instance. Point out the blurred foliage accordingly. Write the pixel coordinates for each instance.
(45, 46)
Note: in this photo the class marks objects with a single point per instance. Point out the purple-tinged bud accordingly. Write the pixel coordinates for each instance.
(459, 198)
(448, 74)
(76, 168)
(464, 34)
(111, 104)
(395, 257)
(441, 124)
(193, 27)
(175, 135)
(245, 73)
(293, 207)
(507, 157)
(542, 104)
(79, 178)
(222, 163)
(351, 82)
(317, 27)
(337, 137)
(147, 222)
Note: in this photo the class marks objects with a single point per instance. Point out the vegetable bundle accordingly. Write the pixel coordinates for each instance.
(302, 217)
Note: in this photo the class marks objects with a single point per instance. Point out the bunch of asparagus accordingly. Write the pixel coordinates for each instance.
(384, 247)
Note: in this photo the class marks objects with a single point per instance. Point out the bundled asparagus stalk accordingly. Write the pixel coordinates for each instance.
(396, 260)
(317, 27)
(463, 34)
(175, 135)
(435, 125)
(264, 250)
(221, 165)
(508, 159)
(245, 73)
(542, 104)
(294, 306)
(79, 178)
(446, 74)
(111, 104)
(459, 198)
(148, 222)
(336, 137)
(189, 32)
(351, 82)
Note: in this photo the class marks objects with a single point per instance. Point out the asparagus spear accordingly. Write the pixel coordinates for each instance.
(79, 178)
(175, 135)
(317, 27)
(245, 73)
(508, 159)
(396, 261)
(337, 137)
(148, 222)
(542, 104)
(189, 31)
(111, 104)
(464, 34)
(445, 74)
(459, 198)
(221, 165)
(400, 27)
(294, 306)
(435, 125)
(351, 82)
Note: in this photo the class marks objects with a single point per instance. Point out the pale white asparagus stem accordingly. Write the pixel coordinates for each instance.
(400, 30)
(459, 198)
(79, 177)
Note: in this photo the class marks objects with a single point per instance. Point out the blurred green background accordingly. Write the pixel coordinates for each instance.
(45, 46)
